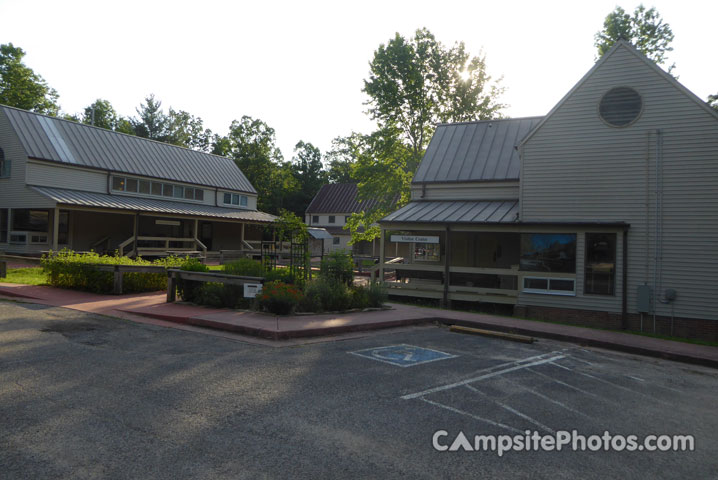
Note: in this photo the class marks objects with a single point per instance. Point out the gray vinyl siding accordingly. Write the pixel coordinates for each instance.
(466, 191)
(13, 191)
(575, 167)
(47, 175)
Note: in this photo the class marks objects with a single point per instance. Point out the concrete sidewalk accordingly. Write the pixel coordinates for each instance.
(271, 327)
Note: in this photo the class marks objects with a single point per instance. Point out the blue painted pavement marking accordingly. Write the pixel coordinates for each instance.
(403, 355)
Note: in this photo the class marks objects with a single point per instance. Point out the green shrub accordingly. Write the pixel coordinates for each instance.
(376, 295)
(279, 298)
(244, 267)
(359, 297)
(338, 267)
(189, 290)
(76, 271)
(323, 295)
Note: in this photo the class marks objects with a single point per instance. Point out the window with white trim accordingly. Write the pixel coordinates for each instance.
(235, 199)
(158, 189)
(550, 285)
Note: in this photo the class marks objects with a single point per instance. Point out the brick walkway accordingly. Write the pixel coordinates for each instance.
(151, 308)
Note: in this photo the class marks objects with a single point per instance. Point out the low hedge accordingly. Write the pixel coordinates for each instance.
(76, 271)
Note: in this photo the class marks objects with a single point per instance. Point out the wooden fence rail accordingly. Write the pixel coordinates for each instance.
(173, 275)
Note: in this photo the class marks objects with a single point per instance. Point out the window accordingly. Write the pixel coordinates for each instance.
(168, 190)
(600, 269)
(235, 199)
(243, 201)
(156, 188)
(332, 219)
(131, 185)
(427, 252)
(118, 183)
(552, 286)
(3, 225)
(346, 218)
(548, 252)
(178, 191)
(315, 218)
(144, 187)
(336, 241)
(24, 220)
(228, 198)
(4, 165)
(620, 106)
(199, 194)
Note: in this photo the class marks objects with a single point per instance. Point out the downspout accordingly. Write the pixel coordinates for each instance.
(659, 217)
(624, 292)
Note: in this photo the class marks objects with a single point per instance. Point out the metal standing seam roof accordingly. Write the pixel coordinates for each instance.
(475, 151)
(58, 140)
(493, 211)
(138, 204)
(319, 233)
(339, 198)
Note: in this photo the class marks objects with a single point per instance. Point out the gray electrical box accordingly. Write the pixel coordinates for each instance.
(643, 299)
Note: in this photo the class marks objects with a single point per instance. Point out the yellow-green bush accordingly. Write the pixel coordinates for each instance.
(76, 271)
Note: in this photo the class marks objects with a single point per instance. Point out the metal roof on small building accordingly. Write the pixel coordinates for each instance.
(495, 211)
(138, 204)
(339, 198)
(58, 140)
(475, 151)
(319, 233)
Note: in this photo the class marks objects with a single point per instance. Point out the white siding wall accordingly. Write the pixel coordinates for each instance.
(324, 220)
(466, 191)
(575, 167)
(62, 176)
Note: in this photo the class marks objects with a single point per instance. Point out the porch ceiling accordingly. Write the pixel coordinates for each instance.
(498, 211)
(138, 204)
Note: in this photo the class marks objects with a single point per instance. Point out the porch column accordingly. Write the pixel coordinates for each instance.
(55, 229)
(135, 232)
(382, 256)
(241, 238)
(447, 262)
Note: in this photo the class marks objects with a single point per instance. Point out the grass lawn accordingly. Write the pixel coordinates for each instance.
(28, 276)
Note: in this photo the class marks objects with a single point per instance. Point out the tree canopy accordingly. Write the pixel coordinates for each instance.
(713, 101)
(645, 30)
(413, 84)
(21, 87)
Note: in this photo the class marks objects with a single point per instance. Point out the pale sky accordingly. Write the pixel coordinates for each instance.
(300, 66)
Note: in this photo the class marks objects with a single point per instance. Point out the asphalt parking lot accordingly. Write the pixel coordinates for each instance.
(83, 396)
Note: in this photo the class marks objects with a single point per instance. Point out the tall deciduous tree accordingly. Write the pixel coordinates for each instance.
(101, 114)
(21, 87)
(645, 30)
(309, 175)
(413, 85)
(252, 145)
(713, 101)
(188, 131)
(341, 157)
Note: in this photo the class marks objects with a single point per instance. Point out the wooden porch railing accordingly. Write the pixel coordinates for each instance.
(199, 246)
(175, 274)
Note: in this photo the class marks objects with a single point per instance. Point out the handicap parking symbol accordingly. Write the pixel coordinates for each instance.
(403, 355)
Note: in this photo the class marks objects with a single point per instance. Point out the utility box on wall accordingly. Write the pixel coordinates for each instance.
(643, 299)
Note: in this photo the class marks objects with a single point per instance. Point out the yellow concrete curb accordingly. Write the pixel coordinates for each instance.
(490, 333)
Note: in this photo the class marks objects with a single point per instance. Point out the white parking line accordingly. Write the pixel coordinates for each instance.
(475, 417)
(517, 365)
(580, 390)
(512, 410)
(551, 400)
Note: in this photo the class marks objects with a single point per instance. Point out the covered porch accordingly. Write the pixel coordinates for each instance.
(478, 252)
(132, 226)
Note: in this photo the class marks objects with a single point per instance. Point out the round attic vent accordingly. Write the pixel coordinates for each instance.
(620, 106)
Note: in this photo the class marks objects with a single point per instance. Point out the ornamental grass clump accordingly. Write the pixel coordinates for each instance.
(279, 298)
